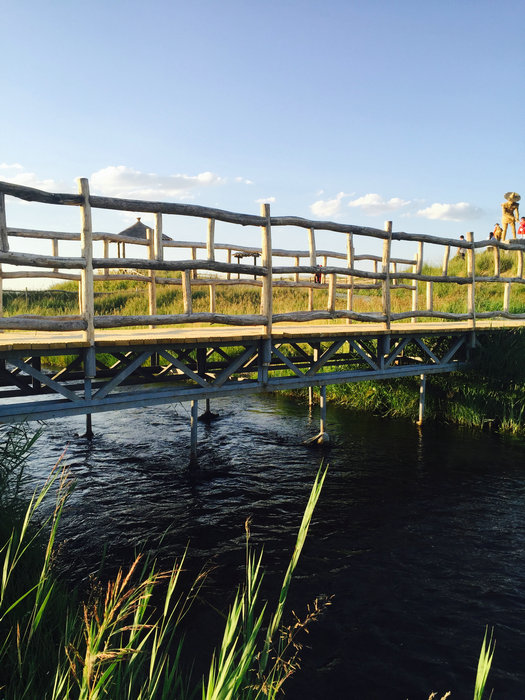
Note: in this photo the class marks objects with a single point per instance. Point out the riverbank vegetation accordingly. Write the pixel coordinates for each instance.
(123, 639)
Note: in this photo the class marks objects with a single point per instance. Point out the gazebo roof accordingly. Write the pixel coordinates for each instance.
(138, 230)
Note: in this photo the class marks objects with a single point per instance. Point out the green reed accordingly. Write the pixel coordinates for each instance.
(122, 642)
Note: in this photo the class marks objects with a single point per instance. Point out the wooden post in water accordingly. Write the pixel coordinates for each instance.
(193, 428)
(86, 275)
(266, 260)
(422, 396)
(90, 371)
(385, 263)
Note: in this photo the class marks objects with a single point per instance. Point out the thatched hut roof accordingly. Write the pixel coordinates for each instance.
(138, 230)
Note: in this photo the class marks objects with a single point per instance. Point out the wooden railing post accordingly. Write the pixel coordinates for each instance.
(430, 296)
(471, 271)
(105, 254)
(86, 275)
(210, 252)
(186, 292)
(446, 257)
(152, 286)
(418, 267)
(350, 264)
(506, 297)
(4, 240)
(266, 259)
(158, 249)
(387, 245)
(331, 292)
(54, 250)
(4, 246)
(313, 263)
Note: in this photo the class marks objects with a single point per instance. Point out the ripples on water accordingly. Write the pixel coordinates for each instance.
(419, 535)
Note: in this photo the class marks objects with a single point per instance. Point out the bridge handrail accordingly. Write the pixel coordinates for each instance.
(385, 275)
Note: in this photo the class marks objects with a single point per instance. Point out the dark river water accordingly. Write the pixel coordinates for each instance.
(419, 535)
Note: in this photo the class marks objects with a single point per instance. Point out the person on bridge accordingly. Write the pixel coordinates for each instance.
(510, 213)
(521, 229)
(497, 231)
(461, 251)
(317, 276)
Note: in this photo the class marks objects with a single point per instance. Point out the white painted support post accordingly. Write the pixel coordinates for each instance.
(86, 275)
(422, 396)
(152, 285)
(471, 270)
(266, 260)
(385, 269)
(186, 292)
(350, 264)
(193, 427)
(323, 437)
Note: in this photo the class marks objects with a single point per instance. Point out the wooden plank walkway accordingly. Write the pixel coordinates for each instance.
(41, 340)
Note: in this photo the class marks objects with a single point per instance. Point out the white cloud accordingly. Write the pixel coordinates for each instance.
(265, 200)
(16, 173)
(461, 211)
(244, 180)
(374, 203)
(328, 207)
(121, 181)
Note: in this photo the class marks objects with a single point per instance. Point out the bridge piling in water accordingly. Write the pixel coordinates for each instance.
(422, 397)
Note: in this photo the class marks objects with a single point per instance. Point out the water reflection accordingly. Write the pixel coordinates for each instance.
(419, 533)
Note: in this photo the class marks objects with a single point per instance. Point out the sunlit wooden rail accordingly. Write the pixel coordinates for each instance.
(265, 351)
(342, 270)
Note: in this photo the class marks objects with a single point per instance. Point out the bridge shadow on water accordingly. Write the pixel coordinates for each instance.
(419, 534)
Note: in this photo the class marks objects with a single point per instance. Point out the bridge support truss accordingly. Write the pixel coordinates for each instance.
(110, 377)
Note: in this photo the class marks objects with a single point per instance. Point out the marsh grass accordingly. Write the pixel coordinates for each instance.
(125, 641)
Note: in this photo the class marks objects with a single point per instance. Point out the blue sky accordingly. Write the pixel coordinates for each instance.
(351, 111)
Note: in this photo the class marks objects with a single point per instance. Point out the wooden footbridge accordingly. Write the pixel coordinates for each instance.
(370, 317)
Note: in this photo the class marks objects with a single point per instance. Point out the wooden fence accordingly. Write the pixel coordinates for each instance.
(388, 273)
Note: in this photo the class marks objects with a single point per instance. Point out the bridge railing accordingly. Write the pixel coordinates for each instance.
(387, 276)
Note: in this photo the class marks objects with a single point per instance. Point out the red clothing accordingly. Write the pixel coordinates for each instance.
(521, 230)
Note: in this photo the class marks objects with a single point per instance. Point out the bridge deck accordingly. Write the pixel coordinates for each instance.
(42, 340)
